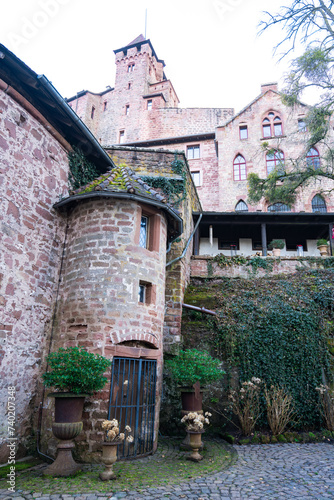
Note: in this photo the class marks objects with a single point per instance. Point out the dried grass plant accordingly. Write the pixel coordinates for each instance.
(326, 396)
(245, 403)
(280, 409)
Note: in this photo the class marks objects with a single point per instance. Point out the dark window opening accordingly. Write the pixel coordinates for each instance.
(318, 204)
(227, 244)
(241, 206)
(243, 132)
(279, 207)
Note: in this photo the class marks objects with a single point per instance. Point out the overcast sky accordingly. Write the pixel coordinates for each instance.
(212, 52)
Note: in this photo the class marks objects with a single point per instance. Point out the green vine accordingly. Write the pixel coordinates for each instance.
(174, 189)
(225, 261)
(279, 329)
(81, 171)
(258, 262)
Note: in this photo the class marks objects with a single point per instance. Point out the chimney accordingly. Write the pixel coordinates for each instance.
(269, 86)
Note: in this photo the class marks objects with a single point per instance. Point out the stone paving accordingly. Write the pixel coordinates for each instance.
(282, 471)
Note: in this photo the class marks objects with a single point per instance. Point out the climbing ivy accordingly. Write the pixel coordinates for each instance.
(279, 329)
(174, 189)
(81, 170)
(225, 261)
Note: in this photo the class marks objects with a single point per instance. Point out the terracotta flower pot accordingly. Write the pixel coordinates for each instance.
(67, 425)
(276, 252)
(323, 249)
(191, 398)
(109, 457)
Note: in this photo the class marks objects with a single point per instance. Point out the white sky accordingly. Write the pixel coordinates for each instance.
(213, 55)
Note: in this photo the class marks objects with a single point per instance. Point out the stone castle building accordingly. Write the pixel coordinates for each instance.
(222, 148)
(105, 267)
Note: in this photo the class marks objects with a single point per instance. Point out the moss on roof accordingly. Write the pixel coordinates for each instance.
(121, 179)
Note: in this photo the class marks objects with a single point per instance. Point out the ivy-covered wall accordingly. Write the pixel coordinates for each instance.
(278, 328)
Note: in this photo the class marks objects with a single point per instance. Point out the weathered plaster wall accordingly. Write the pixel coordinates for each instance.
(33, 174)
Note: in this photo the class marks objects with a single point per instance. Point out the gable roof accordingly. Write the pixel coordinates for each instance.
(251, 103)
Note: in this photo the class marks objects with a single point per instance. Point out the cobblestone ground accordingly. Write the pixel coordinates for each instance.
(286, 471)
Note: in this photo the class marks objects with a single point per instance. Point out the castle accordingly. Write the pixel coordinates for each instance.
(222, 148)
(106, 266)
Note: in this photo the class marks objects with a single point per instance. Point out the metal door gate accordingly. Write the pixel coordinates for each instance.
(132, 402)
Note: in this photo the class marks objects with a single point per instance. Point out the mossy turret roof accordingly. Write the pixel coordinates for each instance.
(122, 182)
(121, 179)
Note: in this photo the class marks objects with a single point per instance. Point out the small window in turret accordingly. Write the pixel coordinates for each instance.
(131, 68)
(149, 104)
(92, 112)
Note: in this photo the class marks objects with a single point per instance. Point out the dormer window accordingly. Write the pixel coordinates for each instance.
(272, 126)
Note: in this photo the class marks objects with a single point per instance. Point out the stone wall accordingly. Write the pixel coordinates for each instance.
(203, 266)
(154, 162)
(293, 143)
(33, 175)
(140, 78)
(98, 306)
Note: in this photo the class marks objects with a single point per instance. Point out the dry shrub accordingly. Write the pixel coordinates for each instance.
(326, 396)
(245, 403)
(280, 409)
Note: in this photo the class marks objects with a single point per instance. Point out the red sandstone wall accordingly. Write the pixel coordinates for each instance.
(33, 174)
(292, 143)
(153, 162)
(98, 302)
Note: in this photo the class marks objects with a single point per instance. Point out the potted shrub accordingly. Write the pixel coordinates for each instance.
(77, 374)
(190, 370)
(276, 246)
(322, 246)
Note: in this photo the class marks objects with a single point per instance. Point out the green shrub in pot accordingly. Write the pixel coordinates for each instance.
(73, 369)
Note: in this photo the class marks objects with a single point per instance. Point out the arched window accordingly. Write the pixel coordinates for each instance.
(241, 206)
(275, 160)
(313, 158)
(318, 204)
(272, 125)
(239, 168)
(278, 207)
